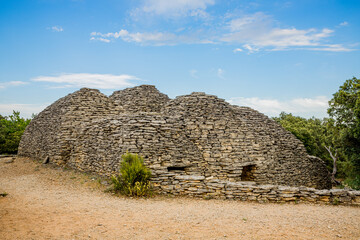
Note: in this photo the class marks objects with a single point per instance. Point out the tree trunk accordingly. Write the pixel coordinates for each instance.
(334, 158)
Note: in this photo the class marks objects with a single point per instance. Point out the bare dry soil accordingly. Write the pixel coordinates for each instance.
(46, 202)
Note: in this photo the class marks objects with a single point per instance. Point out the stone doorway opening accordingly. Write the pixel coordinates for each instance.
(248, 173)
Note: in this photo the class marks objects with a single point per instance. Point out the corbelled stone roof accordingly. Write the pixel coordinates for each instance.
(144, 98)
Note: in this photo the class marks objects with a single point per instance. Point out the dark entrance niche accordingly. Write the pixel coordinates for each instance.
(248, 173)
(176, 168)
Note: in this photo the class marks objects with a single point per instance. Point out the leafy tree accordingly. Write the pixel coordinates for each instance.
(312, 132)
(320, 138)
(344, 107)
(11, 130)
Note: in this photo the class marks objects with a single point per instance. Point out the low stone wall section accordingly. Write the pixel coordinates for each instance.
(208, 188)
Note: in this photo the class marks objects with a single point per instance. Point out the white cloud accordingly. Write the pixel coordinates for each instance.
(252, 40)
(99, 81)
(254, 32)
(331, 48)
(57, 29)
(344, 23)
(193, 73)
(251, 49)
(12, 84)
(255, 21)
(26, 110)
(17, 83)
(317, 102)
(156, 38)
(220, 73)
(151, 38)
(292, 37)
(306, 107)
(176, 8)
(100, 39)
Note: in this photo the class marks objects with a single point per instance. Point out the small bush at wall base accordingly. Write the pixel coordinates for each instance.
(134, 177)
(3, 194)
(336, 201)
(353, 182)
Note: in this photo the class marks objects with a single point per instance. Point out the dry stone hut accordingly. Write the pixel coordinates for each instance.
(195, 144)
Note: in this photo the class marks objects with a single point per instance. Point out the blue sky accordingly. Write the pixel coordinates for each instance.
(270, 55)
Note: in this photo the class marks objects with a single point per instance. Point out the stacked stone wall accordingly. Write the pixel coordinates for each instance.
(280, 146)
(196, 144)
(43, 135)
(208, 188)
(232, 138)
(158, 139)
(145, 98)
(54, 131)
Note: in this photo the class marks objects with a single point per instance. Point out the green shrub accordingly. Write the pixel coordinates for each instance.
(3, 194)
(11, 129)
(335, 201)
(353, 182)
(134, 177)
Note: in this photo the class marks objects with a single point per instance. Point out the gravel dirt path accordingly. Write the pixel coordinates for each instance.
(45, 202)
